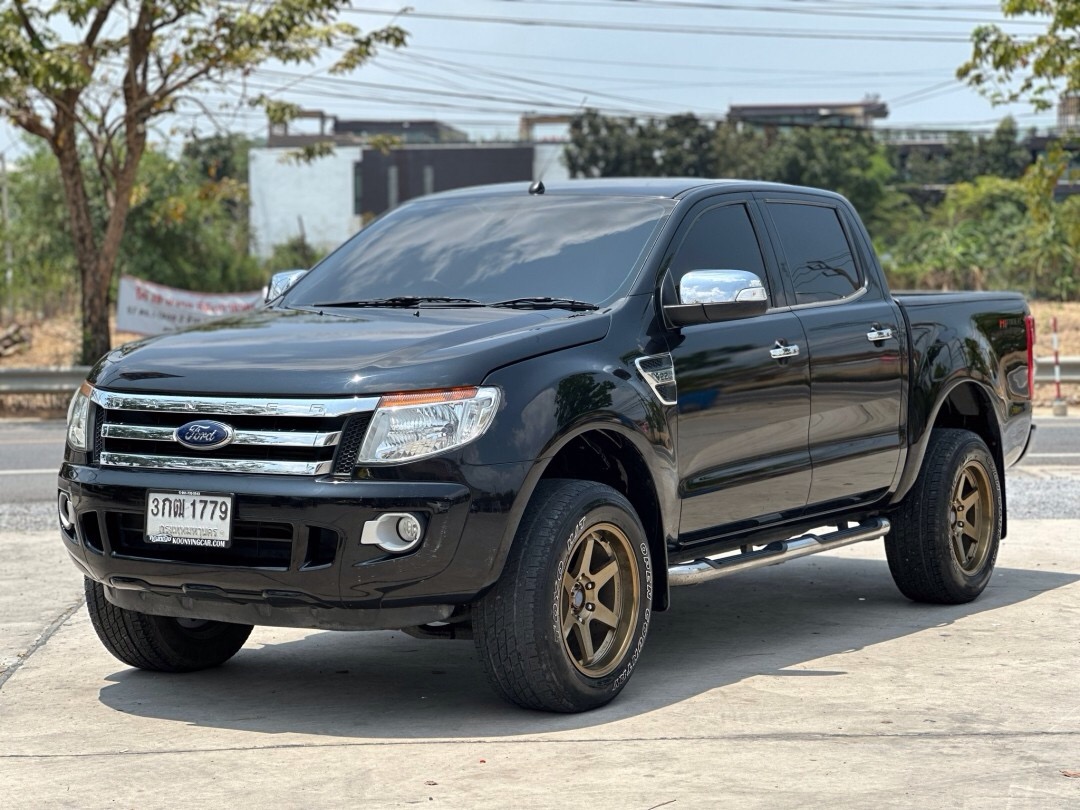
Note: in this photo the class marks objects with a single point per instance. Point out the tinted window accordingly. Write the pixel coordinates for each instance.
(819, 260)
(491, 248)
(722, 238)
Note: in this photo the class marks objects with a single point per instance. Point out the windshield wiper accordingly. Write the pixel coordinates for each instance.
(403, 301)
(544, 302)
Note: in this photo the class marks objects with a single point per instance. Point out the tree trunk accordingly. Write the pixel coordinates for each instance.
(96, 259)
(93, 277)
(96, 339)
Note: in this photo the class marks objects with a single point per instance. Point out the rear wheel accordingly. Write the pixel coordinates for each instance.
(563, 627)
(948, 528)
(161, 643)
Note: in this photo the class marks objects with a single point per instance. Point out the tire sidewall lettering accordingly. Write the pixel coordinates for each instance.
(616, 683)
(624, 675)
(564, 560)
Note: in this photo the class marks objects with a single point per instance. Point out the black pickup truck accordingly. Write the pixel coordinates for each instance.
(521, 415)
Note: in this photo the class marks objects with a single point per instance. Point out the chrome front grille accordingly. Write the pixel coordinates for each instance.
(270, 436)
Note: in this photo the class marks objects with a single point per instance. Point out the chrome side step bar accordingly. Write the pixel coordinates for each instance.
(698, 571)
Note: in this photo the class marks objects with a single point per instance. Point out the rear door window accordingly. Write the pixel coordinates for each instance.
(820, 264)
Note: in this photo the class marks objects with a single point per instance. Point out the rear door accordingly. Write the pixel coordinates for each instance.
(854, 333)
(743, 414)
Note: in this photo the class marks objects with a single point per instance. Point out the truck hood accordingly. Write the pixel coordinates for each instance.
(277, 352)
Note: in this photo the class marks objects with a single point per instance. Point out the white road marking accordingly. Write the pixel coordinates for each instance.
(42, 471)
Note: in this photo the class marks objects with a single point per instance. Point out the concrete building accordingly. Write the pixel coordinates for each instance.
(860, 114)
(345, 131)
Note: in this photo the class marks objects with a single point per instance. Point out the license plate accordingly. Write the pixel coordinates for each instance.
(189, 519)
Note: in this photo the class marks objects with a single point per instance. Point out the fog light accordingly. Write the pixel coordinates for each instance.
(396, 532)
(409, 529)
(65, 511)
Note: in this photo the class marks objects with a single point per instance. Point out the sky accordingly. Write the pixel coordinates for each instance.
(480, 64)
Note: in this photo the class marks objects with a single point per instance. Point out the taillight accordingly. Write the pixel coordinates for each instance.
(1029, 328)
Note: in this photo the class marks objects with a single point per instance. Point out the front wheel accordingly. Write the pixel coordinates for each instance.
(161, 643)
(563, 627)
(948, 527)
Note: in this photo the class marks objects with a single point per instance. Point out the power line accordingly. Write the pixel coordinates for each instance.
(519, 102)
(801, 9)
(817, 81)
(681, 66)
(528, 81)
(926, 37)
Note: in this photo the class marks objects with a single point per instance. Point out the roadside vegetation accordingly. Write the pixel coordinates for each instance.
(187, 227)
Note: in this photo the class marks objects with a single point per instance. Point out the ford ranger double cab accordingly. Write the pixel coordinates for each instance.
(521, 414)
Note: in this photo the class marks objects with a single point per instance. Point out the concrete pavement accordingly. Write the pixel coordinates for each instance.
(806, 685)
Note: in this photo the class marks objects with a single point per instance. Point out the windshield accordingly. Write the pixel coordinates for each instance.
(490, 249)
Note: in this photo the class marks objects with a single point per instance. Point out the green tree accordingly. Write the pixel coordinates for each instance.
(187, 230)
(737, 152)
(973, 241)
(964, 157)
(44, 273)
(183, 228)
(686, 147)
(847, 161)
(1002, 154)
(219, 157)
(94, 74)
(1012, 67)
(1052, 250)
(606, 146)
(295, 254)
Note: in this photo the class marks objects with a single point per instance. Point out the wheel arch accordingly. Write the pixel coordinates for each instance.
(967, 405)
(608, 457)
(612, 456)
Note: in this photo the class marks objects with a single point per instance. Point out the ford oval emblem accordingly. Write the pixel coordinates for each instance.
(204, 434)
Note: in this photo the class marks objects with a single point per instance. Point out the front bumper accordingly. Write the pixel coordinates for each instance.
(296, 557)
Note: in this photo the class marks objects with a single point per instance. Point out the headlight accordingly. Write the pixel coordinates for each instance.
(407, 427)
(78, 419)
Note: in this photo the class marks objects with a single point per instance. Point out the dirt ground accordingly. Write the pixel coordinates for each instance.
(55, 343)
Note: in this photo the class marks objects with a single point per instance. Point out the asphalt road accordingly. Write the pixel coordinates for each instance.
(30, 455)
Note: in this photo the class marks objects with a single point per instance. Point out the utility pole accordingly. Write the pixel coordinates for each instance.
(5, 218)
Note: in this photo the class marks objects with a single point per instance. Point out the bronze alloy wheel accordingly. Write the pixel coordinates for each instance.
(945, 535)
(599, 604)
(564, 626)
(971, 517)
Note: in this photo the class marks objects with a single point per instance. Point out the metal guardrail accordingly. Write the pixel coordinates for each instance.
(59, 380)
(1070, 369)
(42, 380)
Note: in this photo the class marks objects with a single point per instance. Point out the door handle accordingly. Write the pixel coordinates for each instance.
(782, 350)
(876, 334)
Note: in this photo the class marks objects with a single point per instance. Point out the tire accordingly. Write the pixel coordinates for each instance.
(562, 629)
(947, 530)
(161, 643)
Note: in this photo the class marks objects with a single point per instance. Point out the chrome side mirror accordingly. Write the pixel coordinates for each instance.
(281, 282)
(712, 296)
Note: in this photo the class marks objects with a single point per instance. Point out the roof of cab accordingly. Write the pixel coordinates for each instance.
(669, 187)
